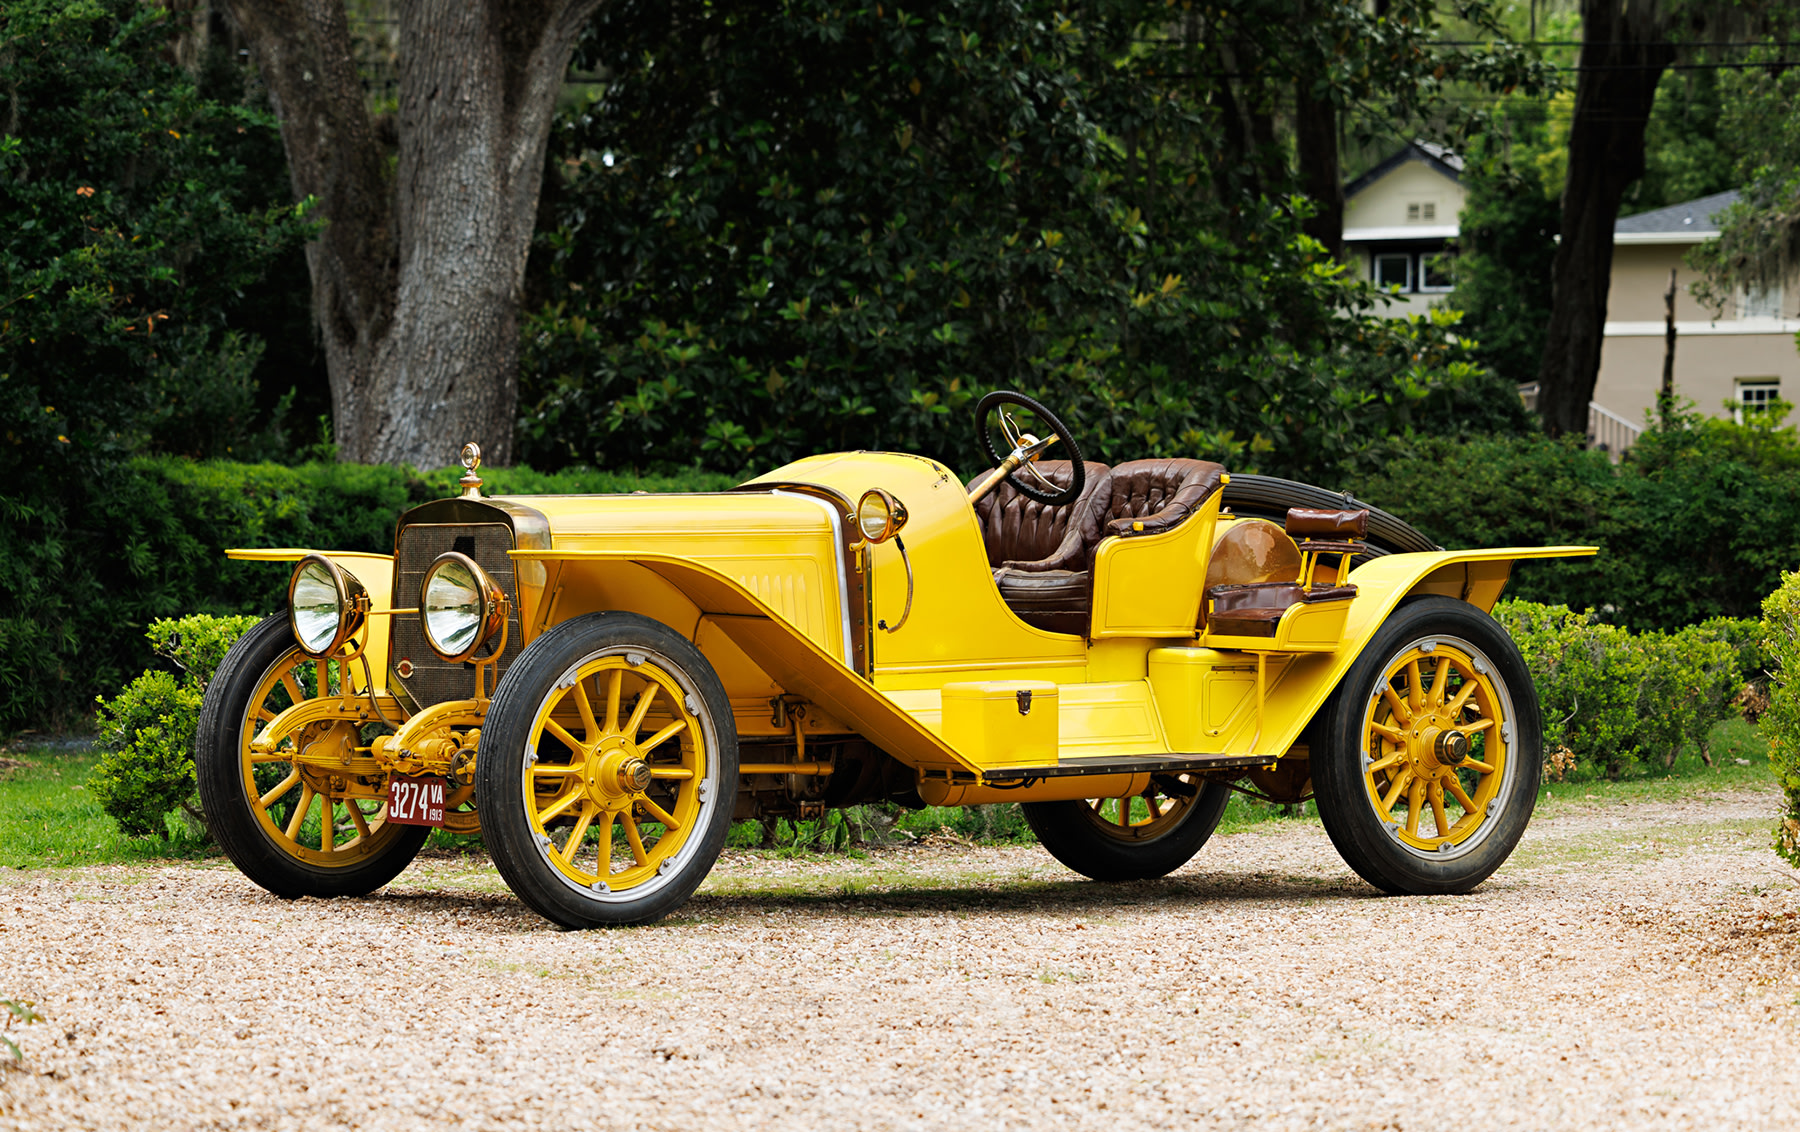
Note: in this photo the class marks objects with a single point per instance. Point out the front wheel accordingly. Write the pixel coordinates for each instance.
(1431, 751)
(296, 826)
(1139, 837)
(608, 771)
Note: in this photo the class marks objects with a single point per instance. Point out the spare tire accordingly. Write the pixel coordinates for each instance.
(1268, 497)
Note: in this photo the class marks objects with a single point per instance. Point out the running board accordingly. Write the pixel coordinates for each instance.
(1127, 764)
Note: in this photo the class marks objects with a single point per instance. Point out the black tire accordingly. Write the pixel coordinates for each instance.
(1356, 760)
(1267, 497)
(1082, 836)
(1071, 450)
(255, 835)
(533, 788)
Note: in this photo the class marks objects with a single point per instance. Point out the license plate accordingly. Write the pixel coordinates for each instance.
(415, 801)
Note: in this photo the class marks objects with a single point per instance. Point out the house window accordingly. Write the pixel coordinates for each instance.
(1434, 272)
(1759, 303)
(1420, 210)
(1394, 270)
(1755, 395)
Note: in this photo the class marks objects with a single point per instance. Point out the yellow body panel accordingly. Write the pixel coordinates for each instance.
(1149, 586)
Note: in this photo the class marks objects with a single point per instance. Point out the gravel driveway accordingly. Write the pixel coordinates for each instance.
(1632, 965)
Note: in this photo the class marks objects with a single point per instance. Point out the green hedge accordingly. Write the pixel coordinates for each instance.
(1697, 522)
(1617, 702)
(88, 561)
(1781, 723)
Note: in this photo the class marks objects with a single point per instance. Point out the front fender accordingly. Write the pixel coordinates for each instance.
(376, 573)
(714, 601)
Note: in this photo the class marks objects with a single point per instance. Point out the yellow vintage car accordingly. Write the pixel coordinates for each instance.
(600, 685)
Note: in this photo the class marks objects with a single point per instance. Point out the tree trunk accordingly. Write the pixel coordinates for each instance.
(1316, 146)
(417, 275)
(1623, 55)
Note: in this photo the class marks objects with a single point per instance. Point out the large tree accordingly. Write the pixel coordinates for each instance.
(417, 274)
(1625, 50)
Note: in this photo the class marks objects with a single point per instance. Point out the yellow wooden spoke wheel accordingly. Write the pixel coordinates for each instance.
(1434, 739)
(617, 755)
(1144, 835)
(308, 817)
(608, 771)
(1429, 756)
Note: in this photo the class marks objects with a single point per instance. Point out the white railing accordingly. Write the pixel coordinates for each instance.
(1610, 432)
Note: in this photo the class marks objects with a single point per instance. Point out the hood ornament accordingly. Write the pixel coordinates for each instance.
(471, 460)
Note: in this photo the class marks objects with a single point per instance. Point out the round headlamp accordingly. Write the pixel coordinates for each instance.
(326, 605)
(460, 606)
(880, 515)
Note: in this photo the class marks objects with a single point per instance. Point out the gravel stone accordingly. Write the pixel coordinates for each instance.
(1633, 965)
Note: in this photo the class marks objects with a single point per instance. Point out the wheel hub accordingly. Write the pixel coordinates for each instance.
(615, 773)
(1450, 747)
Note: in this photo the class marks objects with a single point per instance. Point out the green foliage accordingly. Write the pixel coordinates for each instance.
(127, 235)
(1759, 237)
(1697, 522)
(1619, 701)
(147, 730)
(835, 226)
(81, 572)
(50, 819)
(1503, 270)
(1781, 723)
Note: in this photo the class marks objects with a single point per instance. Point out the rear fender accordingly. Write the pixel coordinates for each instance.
(1300, 684)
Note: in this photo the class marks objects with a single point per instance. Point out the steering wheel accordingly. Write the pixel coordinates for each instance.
(1018, 466)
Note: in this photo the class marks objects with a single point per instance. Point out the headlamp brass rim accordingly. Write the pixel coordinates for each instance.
(352, 603)
(493, 606)
(892, 512)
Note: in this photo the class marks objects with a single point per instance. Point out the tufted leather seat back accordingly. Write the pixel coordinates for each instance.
(1151, 496)
(1026, 535)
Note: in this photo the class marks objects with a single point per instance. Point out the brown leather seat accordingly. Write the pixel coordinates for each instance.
(1152, 496)
(1040, 554)
(1255, 609)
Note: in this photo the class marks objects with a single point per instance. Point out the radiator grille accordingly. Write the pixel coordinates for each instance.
(433, 681)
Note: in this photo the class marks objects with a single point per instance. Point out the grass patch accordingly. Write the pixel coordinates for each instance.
(48, 818)
(1740, 757)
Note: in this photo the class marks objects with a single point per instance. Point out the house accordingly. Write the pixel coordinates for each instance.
(1732, 360)
(1400, 216)
(1398, 219)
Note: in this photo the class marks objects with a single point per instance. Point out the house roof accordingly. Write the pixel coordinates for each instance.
(1689, 222)
(1436, 156)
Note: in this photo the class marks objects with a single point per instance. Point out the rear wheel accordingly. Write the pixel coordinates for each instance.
(1133, 838)
(295, 828)
(608, 771)
(1431, 751)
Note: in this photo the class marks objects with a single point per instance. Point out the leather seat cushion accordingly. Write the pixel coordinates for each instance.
(1044, 589)
(1255, 610)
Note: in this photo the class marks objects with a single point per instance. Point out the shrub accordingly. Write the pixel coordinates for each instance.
(146, 770)
(1618, 700)
(1781, 722)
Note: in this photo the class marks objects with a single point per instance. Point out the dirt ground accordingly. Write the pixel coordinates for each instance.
(1633, 965)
